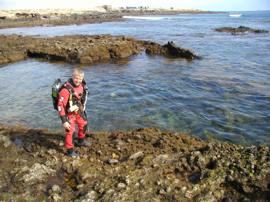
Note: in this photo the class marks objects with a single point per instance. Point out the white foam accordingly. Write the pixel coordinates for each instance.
(235, 15)
(143, 17)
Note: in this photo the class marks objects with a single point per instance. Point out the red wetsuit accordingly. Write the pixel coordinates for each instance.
(72, 117)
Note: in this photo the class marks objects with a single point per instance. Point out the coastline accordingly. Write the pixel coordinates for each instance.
(30, 18)
(137, 165)
(122, 166)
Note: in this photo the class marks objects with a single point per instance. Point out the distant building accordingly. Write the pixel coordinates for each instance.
(143, 7)
(107, 7)
(139, 8)
(131, 8)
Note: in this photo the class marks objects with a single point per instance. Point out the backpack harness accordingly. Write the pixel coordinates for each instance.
(58, 86)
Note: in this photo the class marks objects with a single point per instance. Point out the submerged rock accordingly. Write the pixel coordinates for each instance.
(240, 30)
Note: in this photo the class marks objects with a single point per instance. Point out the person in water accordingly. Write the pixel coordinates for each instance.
(71, 109)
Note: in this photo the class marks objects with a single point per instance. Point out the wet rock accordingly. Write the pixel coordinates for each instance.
(159, 143)
(163, 158)
(161, 191)
(16, 56)
(240, 29)
(147, 160)
(169, 50)
(121, 186)
(112, 161)
(212, 164)
(80, 186)
(29, 147)
(37, 172)
(73, 49)
(5, 141)
(56, 197)
(136, 155)
(184, 189)
(52, 151)
(195, 177)
(82, 49)
(226, 199)
(56, 189)
(91, 196)
(115, 156)
(193, 172)
(174, 51)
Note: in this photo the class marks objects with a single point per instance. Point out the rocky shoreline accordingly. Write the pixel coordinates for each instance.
(141, 165)
(83, 49)
(30, 18)
(58, 20)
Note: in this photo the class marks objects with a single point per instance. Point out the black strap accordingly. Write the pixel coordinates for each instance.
(69, 88)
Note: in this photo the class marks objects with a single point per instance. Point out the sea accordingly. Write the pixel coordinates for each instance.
(224, 95)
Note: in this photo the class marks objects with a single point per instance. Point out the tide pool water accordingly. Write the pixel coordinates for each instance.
(225, 94)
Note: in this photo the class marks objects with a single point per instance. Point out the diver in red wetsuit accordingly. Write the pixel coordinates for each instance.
(71, 109)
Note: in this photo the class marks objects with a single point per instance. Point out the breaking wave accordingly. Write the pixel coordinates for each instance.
(143, 18)
(235, 15)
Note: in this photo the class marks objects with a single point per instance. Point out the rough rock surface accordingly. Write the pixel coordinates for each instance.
(23, 19)
(148, 165)
(240, 30)
(168, 50)
(81, 49)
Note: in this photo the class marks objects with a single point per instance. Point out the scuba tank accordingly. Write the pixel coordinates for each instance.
(55, 90)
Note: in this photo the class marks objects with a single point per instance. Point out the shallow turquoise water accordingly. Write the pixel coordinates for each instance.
(226, 94)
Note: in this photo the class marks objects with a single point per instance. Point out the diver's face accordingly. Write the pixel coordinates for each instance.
(77, 79)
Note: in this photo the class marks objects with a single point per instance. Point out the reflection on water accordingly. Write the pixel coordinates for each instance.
(226, 94)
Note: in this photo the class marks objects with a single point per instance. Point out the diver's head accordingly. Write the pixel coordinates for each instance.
(77, 76)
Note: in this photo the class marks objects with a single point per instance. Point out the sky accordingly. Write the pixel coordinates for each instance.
(211, 5)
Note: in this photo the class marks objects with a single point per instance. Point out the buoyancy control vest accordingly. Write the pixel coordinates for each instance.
(58, 86)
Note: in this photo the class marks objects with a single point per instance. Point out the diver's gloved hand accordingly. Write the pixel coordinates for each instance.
(73, 108)
(66, 125)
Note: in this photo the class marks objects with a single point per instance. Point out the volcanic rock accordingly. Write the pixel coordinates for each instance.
(168, 50)
(185, 168)
(82, 49)
(240, 30)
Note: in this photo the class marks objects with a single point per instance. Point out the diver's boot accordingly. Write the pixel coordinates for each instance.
(72, 153)
(83, 143)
